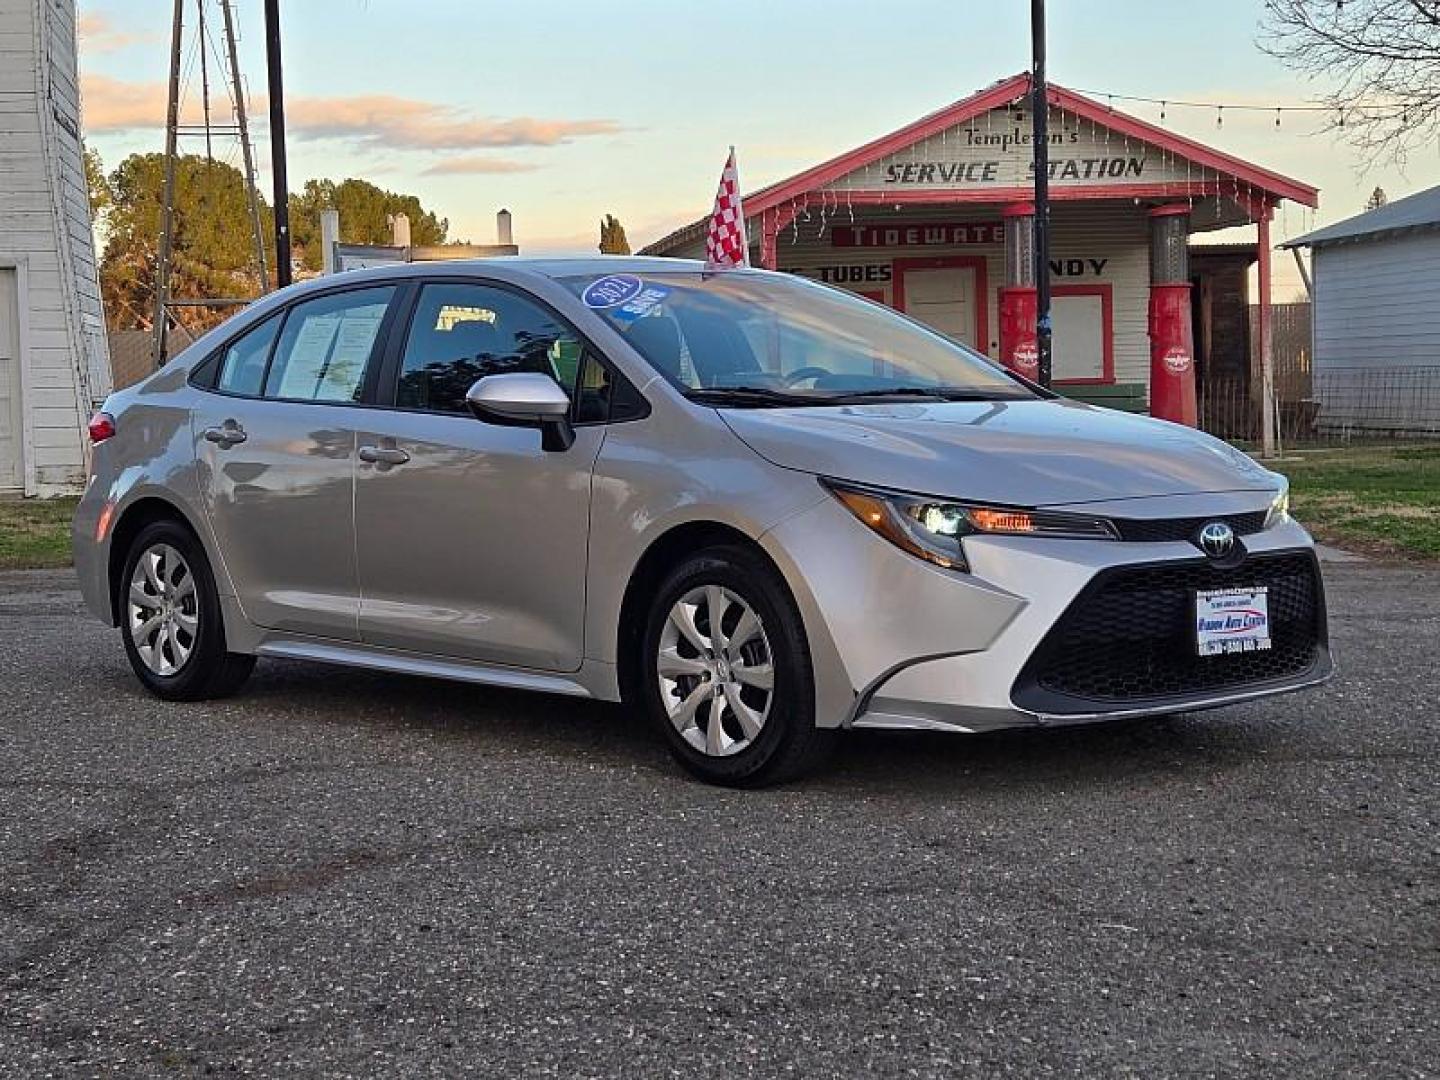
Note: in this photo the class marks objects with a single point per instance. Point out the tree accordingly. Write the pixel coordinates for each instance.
(612, 237)
(213, 248)
(101, 197)
(1379, 58)
(365, 211)
(1377, 199)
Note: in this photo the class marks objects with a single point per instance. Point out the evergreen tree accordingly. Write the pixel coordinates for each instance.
(365, 212)
(612, 237)
(212, 249)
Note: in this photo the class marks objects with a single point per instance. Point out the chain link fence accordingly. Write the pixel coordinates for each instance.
(1334, 407)
(1366, 402)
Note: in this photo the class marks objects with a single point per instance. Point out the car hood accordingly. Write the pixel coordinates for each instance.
(1020, 453)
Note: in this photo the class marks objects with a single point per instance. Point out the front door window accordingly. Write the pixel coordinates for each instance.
(462, 332)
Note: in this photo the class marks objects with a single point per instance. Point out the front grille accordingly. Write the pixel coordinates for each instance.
(1160, 529)
(1129, 637)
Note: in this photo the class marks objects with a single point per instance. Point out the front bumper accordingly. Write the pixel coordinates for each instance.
(918, 647)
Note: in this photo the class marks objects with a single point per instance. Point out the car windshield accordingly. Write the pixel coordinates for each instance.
(742, 338)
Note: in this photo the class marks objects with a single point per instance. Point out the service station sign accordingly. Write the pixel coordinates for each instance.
(995, 150)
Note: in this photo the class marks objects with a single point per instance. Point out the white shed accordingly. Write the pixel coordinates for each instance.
(1376, 320)
(54, 361)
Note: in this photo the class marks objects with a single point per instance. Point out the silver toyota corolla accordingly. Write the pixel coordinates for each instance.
(759, 508)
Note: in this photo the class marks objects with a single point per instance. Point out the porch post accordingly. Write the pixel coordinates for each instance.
(1267, 358)
(1019, 348)
(769, 230)
(1172, 346)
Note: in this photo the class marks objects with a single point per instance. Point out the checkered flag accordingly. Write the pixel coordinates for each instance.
(726, 244)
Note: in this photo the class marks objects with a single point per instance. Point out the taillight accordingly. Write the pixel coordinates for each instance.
(102, 427)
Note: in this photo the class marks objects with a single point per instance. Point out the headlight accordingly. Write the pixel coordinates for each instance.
(931, 529)
(1279, 506)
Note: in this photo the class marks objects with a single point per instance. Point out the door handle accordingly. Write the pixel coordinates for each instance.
(226, 435)
(384, 455)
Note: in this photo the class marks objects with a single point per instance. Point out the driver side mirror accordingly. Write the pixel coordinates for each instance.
(524, 399)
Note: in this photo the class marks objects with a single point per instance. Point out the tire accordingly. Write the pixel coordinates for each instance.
(175, 640)
(759, 622)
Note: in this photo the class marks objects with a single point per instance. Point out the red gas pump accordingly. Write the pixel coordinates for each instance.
(1019, 349)
(1172, 341)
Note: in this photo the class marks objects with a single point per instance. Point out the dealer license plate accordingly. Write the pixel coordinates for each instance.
(1232, 621)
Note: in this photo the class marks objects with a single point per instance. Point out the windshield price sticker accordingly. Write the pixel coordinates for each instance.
(611, 291)
(1232, 621)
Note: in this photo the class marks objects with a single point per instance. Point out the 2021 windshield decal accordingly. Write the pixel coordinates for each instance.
(611, 291)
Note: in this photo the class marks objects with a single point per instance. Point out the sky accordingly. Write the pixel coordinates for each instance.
(563, 111)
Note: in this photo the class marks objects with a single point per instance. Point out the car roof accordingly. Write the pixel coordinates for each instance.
(516, 268)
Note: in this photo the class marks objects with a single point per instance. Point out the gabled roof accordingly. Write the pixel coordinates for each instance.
(1418, 211)
(1005, 92)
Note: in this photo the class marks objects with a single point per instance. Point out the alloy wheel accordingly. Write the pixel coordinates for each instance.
(716, 671)
(163, 609)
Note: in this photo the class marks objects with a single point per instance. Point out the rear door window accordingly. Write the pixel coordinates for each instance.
(327, 346)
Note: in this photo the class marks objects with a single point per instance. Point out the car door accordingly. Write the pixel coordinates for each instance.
(275, 443)
(472, 537)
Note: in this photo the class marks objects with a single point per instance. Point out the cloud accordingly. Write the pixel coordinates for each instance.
(477, 165)
(117, 105)
(373, 120)
(404, 122)
(99, 35)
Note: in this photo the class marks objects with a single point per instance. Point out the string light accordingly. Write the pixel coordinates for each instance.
(1370, 113)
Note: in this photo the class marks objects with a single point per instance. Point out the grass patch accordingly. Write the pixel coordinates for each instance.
(35, 533)
(1381, 500)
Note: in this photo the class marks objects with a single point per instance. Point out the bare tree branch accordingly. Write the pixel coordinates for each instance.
(1378, 60)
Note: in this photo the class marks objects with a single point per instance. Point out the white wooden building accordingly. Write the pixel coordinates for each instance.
(54, 362)
(1376, 318)
(935, 219)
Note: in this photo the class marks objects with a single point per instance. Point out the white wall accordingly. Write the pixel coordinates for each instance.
(45, 234)
(1377, 302)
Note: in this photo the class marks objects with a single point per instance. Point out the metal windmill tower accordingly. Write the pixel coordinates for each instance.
(191, 50)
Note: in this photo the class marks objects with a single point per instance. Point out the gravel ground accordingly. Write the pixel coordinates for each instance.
(349, 874)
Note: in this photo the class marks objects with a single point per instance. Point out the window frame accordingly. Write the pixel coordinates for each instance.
(389, 373)
(208, 369)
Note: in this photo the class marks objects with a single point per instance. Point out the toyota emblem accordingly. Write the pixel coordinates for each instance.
(1217, 539)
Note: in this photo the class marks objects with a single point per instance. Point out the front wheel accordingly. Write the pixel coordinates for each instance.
(727, 674)
(170, 618)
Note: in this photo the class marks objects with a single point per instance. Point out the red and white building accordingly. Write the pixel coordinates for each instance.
(935, 220)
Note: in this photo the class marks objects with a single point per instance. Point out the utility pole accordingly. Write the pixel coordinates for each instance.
(243, 123)
(165, 303)
(167, 208)
(277, 143)
(1040, 117)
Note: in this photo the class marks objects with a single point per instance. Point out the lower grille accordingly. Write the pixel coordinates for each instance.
(1129, 637)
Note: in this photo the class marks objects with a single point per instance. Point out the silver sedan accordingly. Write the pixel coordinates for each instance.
(758, 508)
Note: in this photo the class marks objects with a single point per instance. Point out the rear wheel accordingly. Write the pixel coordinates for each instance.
(727, 674)
(170, 618)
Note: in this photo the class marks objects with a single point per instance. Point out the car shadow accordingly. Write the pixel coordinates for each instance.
(488, 720)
